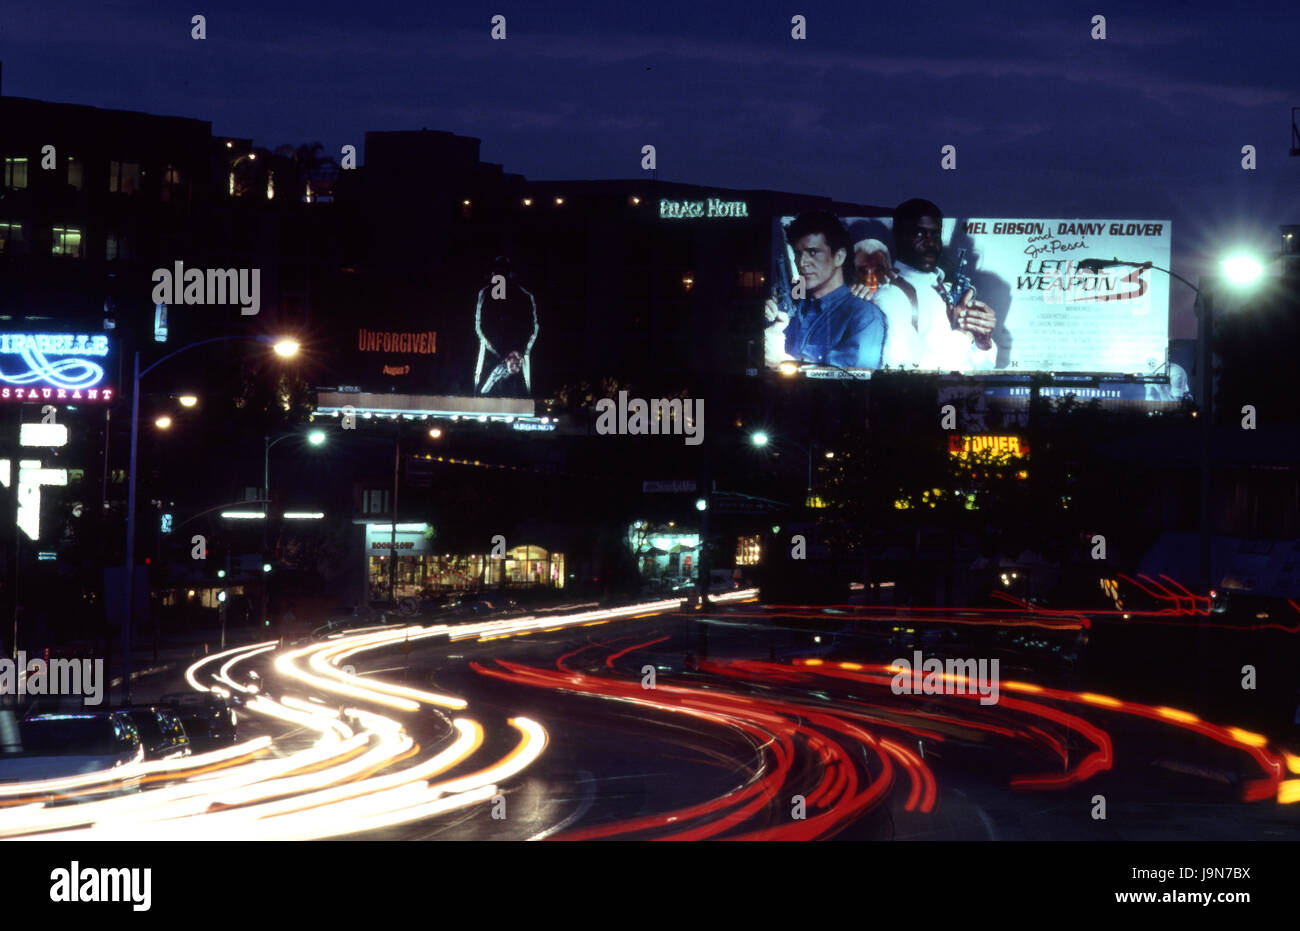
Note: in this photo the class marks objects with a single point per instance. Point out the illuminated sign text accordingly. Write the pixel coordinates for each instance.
(712, 207)
(386, 341)
(998, 447)
(53, 367)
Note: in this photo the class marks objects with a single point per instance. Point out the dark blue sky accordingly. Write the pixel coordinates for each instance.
(1047, 122)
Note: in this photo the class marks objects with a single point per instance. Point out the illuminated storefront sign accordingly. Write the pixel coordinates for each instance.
(996, 447)
(53, 367)
(693, 209)
(379, 539)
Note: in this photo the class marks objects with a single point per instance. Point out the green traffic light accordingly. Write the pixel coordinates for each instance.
(266, 567)
(221, 573)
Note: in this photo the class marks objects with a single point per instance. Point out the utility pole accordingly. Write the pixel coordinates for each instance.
(225, 597)
(392, 546)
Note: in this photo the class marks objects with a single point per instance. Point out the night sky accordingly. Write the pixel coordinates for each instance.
(1048, 122)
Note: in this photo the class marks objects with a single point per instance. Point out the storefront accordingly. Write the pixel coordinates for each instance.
(664, 552)
(420, 571)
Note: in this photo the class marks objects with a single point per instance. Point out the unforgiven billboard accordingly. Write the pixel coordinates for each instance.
(476, 340)
(971, 296)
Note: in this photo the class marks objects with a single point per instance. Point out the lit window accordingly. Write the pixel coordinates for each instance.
(171, 183)
(16, 173)
(10, 233)
(67, 241)
(124, 177)
(117, 248)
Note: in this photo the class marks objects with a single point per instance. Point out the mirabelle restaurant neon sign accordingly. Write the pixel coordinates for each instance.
(53, 367)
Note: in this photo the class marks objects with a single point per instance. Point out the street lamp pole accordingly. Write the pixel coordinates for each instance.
(1205, 322)
(128, 617)
(266, 487)
(128, 628)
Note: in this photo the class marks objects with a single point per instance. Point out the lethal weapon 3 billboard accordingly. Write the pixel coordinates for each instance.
(969, 295)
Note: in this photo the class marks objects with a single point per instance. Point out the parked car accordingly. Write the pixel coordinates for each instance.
(59, 745)
(161, 731)
(208, 719)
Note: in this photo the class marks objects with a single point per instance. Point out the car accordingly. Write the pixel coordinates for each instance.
(161, 731)
(55, 746)
(208, 719)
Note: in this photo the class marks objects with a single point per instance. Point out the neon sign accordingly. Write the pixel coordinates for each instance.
(994, 447)
(53, 367)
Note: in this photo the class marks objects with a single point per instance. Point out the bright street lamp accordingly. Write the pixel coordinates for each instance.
(1242, 269)
(316, 437)
(163, 422)
(759, 438)
(188, 400)
(286, 348)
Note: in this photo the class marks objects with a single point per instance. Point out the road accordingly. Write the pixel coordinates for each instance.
(745, 722)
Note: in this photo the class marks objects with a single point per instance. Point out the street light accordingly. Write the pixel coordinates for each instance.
(1242, 269)
(137, 374)
(314, 437)
(188, 400)
(163, 422)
